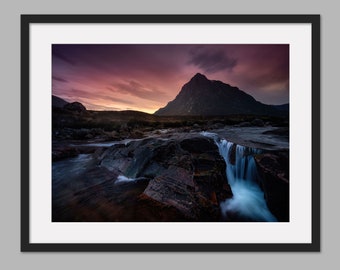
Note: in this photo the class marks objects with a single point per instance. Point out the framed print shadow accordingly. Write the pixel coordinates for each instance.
(170, 133)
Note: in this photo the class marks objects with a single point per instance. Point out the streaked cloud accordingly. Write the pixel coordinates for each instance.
(137, 89)
(211, 60)
(59, 79)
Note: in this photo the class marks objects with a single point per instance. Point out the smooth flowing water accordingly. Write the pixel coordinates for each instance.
(248, 202)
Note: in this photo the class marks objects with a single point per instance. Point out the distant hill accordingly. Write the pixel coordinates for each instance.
(201, 96)
(58, 102)
(75, 106)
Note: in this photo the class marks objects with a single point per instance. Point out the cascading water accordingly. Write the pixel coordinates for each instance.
(247, 203)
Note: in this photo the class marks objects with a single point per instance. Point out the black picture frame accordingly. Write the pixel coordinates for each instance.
(26, 150)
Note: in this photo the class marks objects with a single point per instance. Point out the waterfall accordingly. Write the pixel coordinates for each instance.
(247, 203)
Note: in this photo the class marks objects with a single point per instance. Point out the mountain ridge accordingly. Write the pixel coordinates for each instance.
(201, 96)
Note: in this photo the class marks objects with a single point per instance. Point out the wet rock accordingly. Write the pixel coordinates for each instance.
(94, 196)
(197, 188)
(148, 209)
(274, 171)
(61, 151)
(174, 186)
(186, 174)
(282, 131)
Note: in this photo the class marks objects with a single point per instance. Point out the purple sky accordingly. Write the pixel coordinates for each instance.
(147, 77)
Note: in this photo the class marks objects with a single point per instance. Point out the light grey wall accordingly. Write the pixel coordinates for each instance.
(10, 255)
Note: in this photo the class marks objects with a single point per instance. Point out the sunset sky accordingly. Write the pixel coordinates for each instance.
(147, 77)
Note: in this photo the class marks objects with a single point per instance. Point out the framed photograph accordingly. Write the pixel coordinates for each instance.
(170, 133)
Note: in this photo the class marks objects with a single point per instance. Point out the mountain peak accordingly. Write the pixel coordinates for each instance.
(201, 96)
(199, 77)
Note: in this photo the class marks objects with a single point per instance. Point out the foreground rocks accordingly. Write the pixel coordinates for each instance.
(187, 174)
(197, 185)
(274, 170)
(169, 177)
(180, 179)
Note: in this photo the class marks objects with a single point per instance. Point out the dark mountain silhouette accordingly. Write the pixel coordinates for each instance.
(75, 106)
(283, 107)
(58, 102)
(201, 96)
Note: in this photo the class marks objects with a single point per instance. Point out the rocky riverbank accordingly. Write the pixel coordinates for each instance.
(166, 175)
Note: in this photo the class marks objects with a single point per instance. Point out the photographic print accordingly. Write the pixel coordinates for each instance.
(170, 133)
